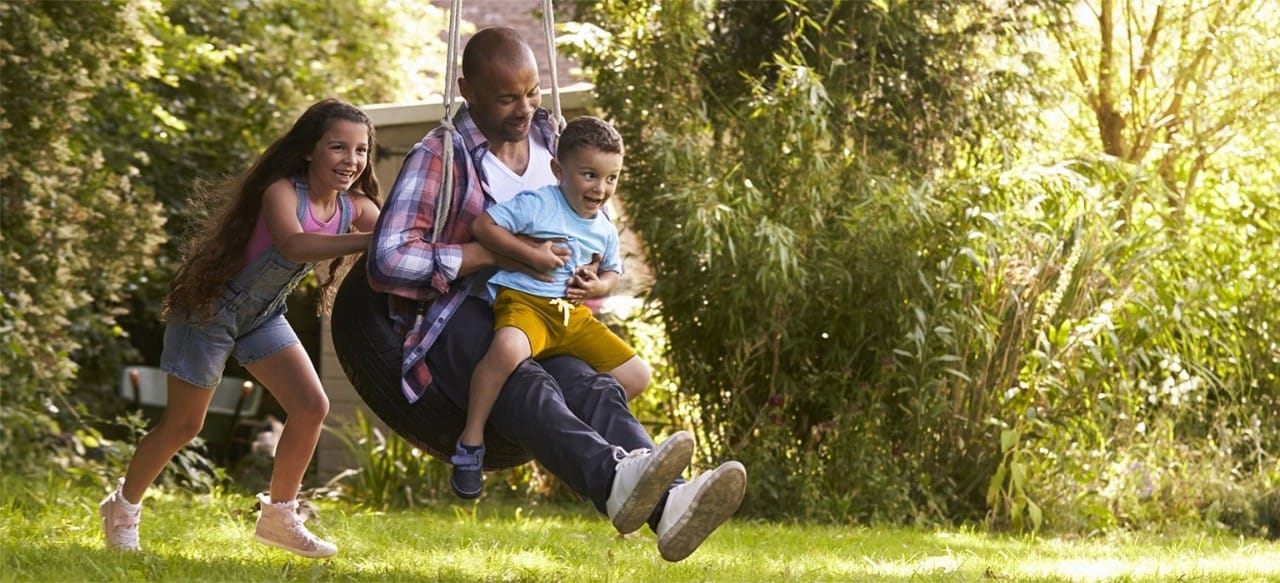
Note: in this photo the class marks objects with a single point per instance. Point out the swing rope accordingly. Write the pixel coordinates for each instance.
(444, 202)
(366, 341)
(549, 30)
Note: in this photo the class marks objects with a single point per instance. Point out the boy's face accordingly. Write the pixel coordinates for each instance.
(588, 178)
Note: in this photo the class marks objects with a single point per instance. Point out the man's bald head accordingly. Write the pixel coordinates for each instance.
(494, 45)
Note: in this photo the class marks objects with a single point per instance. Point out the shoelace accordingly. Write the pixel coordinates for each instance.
(128, 537)
(294, 523)
(628, 457)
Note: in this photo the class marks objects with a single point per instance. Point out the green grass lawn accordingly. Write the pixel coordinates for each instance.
(53, 534)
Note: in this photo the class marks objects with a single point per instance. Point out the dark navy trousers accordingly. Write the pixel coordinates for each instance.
(565, 414)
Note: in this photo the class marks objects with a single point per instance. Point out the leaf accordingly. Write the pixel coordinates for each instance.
(993, 489)
(1036, 516)
(1018, 477)
(1008, 439)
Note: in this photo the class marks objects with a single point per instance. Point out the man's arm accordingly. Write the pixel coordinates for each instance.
(587, 284)
(403, 261)
(599, 277)
(541, 257)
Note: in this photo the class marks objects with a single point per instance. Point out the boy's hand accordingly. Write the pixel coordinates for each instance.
(585, 282)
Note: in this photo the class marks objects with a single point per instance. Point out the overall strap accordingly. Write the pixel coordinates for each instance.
(347, 210)
(300, 185)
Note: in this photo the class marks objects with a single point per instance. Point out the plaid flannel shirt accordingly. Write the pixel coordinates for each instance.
(422, 277)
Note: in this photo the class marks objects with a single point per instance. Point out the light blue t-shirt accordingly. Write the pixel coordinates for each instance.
(545, 214)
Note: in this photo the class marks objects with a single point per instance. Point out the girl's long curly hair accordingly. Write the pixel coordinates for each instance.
(216, 253)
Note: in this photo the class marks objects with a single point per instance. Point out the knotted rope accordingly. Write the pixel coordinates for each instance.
(445, 200)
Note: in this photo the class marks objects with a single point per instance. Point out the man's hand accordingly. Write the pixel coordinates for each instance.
(552, 251)
(548, 254)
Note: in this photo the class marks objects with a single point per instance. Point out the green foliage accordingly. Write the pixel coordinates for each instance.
(112, 111)
(783, 293)
(75, 228)
(861, 272)
(389, 472)
(1171, 84)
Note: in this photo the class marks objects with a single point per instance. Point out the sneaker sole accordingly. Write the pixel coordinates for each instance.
(671, 458)
(465, 494)
(316, 554)
(715, 503)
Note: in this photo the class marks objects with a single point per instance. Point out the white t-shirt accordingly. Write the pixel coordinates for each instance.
(505, 184)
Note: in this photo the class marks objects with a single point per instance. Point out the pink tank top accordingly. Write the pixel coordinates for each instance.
(261, 238)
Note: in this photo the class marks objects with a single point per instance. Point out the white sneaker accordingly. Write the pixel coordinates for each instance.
(696, 508)
(642, 477)
(120, 520)
(280, 526)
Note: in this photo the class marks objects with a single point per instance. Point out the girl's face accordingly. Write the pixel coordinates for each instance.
(588, 178)
(339, 157)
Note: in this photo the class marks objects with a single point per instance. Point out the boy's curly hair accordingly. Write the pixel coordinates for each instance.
(588, 132)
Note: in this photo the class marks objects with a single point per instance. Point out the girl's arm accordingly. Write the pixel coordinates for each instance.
(280, 208)
(366, 214)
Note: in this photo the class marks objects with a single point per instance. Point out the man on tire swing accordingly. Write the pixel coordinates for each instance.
(571, 419)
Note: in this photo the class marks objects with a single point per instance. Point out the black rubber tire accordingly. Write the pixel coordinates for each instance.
(369, 350)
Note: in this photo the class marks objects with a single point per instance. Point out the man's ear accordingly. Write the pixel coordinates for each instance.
(464, 89)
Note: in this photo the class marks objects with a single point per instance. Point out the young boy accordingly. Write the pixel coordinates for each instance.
(536, 317)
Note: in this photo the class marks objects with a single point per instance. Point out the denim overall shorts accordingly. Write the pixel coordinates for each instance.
(248, 320)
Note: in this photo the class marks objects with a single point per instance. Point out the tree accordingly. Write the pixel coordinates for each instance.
(1174, 82)
(867, 267)
(773, 179)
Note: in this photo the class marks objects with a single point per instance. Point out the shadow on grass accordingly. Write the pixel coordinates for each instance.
(77, 562)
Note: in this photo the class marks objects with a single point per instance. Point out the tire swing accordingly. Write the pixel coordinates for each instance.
(364, 336)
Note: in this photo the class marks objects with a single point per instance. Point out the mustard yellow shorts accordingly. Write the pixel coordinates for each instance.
(543, 320)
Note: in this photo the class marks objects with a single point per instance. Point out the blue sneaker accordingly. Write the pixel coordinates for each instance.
(468, 473)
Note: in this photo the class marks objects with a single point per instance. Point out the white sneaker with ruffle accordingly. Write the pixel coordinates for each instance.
(280, 525)
(120, 520)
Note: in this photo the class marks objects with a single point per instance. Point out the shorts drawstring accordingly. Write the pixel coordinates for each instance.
(566, 308)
